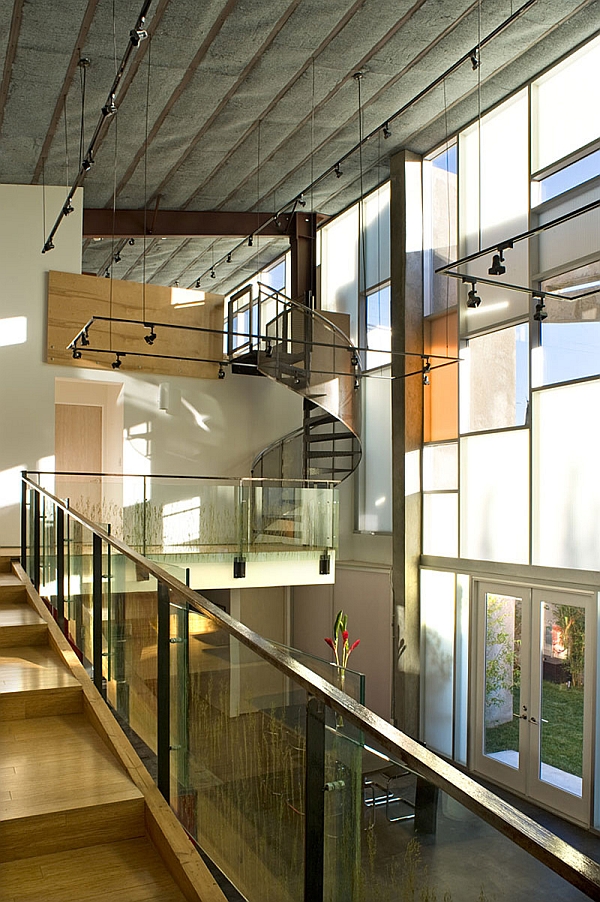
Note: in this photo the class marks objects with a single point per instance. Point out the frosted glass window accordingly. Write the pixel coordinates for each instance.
(339, 267)
(440, 467)
(379, 328)
(440, 214)
(494, 205)
(437, 659)
(566, 178)
(461, 668)
(566, 486)
(570, 336)
(494, 501)
(376, 231)
(566, 107)
(494, 380)
(573, 240)
(440, 524)
(375, 469)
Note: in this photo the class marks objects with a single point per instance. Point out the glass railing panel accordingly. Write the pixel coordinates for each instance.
(349, 681)
(48, 538)
(30, 533)
(287, 514)
(239, 787)
(417, 838)
(79, 588)
(132, 646)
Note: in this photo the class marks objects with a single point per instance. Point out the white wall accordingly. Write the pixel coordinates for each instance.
(213, 427)
(27, 393)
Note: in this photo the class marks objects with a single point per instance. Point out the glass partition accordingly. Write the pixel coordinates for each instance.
(79, 589)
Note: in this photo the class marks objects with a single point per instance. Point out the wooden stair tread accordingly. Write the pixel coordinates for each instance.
(127, 871)
(58, 764)
(9, 579)
(18, 614)
(28, 668)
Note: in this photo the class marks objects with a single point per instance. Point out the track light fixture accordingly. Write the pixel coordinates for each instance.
(117, 257)
(338, 171)
(107, 274)
(354, 360)
(68, 208)
(540, 309)
(137, 35)
(117, 363)
(221, 372)
(250, 240)
(229, 257)
(151, 338)
(85, 339)
(386, 130)
(87, 164)
(300, 200)
(76, 353)
(269, 350)
(176, 283)
(473, 299)
(197, 283)
(497, 268)
(426, 371)
(475, 61)
(109, 109)
(356, 384)
(213, 274)
(131, 242)
(48, 247)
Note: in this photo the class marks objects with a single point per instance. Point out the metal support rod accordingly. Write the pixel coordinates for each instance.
(24, 522)
(60, 568)
(163, 719)
(314, 803)
(36, 540)
(97, 610)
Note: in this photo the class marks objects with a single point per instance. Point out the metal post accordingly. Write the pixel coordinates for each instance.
(314, 823)
(164, 691)
(97, 610)
(24, 521)
(60, 567)
(36, 540)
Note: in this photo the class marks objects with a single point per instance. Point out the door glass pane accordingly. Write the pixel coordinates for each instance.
(502, 699)
(561, 727)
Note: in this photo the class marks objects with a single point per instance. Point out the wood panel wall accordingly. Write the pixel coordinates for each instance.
(74, 299)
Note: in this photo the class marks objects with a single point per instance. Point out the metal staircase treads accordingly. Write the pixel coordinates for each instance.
(328, 381)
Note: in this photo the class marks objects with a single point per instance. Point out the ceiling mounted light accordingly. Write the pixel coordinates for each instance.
(221, 372)
(68, 208)
(151, 338)
(107, 274)
(137, 35)
(475, 60)
(197, 283)
(250, 240)
(109, 109)
(117, 363)
(338, 171)
(117, 257)
(85, 339)
(48, 246)
(213, 274)
(540, 309)
(473, 299)
(131, 242)
(229, 257)
(497, 269)
(386, 130)
(76, 354)
(300, 200)
(426, 371)
(176, 283)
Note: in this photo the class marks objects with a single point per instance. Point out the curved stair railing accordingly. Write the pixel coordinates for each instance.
(310, 354)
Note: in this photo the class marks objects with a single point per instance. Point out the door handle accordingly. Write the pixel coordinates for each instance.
(533, 720)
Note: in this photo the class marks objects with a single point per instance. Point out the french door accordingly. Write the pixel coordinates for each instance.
(534, 671)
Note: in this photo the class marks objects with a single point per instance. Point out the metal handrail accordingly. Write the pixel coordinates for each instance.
(572, 865)
(234, 480)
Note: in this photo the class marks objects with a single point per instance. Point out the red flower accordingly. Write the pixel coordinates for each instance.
(330, 643)
(345, 635)
(353, 646)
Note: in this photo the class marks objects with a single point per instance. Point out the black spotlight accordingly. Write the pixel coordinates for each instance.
(117, 257)
(386, 131)
(131, 242)
(213, 274)
(48, 246)
(68, 208)
(107, 274)
(250, 240)
(116, 363)
(473, 299)
(497, 269)
(540, 310)
(197, 283)
(301, 200)
(229, 258)
(151, 338)
(85, 339)
(269, 350)
(338, 171)
(426, 371)
(221, 373)
(76, 354)
(354, 360)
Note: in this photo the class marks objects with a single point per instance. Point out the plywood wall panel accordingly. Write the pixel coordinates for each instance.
(74, 299)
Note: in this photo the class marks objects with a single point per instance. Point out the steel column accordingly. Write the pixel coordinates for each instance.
(164, 691)
(24, 523)
(60, 567)
(97, 610)
(36, 540)
(314, 803)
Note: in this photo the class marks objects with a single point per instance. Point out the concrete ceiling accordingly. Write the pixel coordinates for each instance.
(240, 105)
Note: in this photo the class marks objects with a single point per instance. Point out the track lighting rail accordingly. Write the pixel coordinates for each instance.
(109, 109)
(508, 286)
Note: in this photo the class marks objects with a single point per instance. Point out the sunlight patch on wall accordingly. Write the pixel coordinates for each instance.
(181, 522)
(10, 486)
(13, 331)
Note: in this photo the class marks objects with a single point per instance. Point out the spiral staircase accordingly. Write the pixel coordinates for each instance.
(310, 354)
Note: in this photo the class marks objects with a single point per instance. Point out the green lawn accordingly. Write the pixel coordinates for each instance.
(562, 735)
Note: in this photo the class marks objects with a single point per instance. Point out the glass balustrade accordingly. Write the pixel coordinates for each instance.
(293, 789)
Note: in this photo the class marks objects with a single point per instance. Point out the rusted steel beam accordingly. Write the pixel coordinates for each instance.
(179, 224)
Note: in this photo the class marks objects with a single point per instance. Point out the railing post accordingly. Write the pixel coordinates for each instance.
(36, 540)
(60, 567)
(314, 822)
(164, 691)
(24, 521)
(97, 610)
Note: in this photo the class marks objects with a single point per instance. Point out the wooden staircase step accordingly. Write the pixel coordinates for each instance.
(21, 625)
(62, 788)
(34, 682)
(127, 871)
(11, 589)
